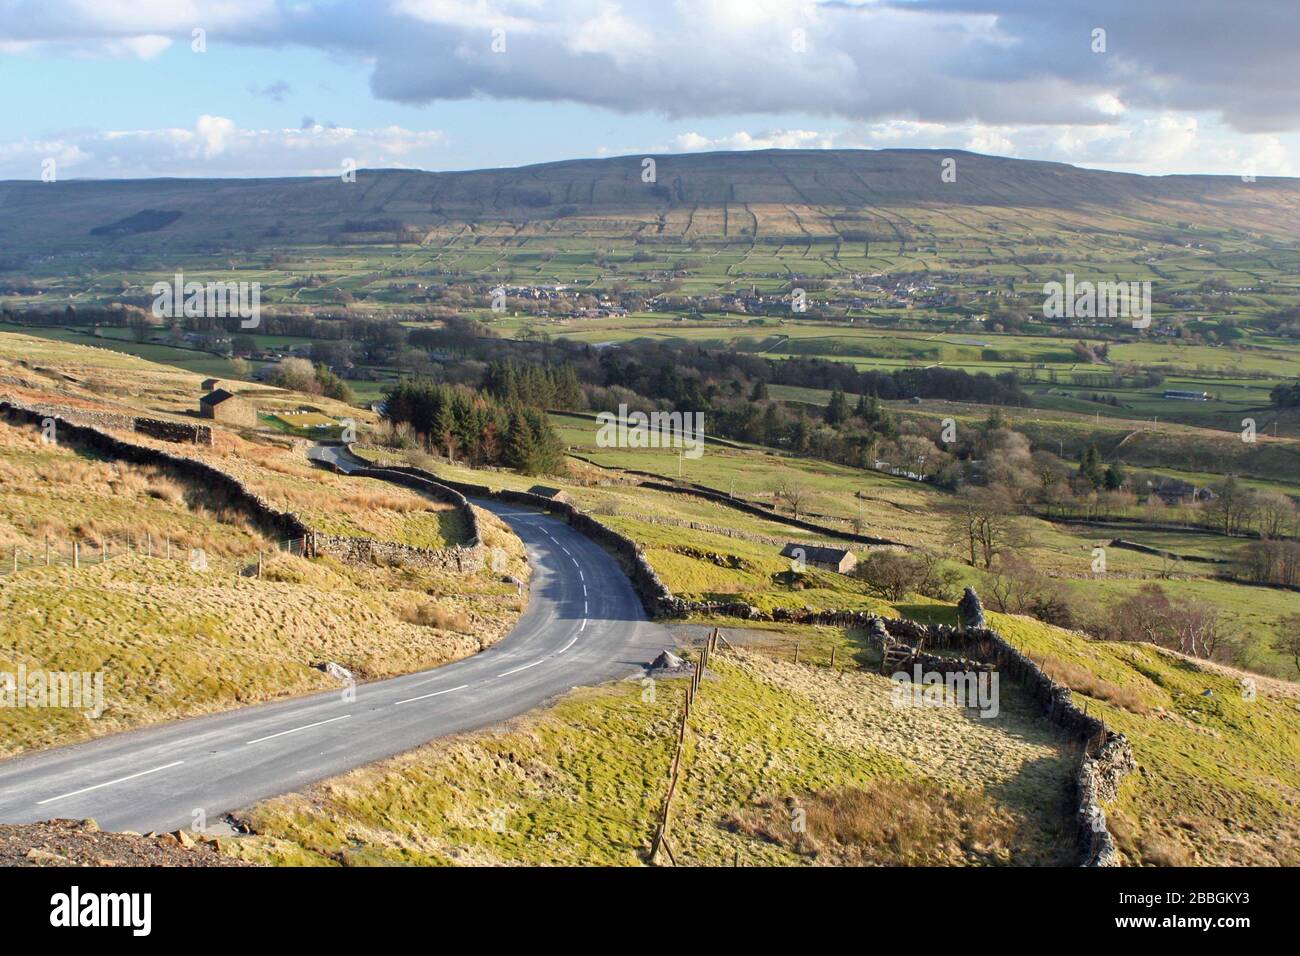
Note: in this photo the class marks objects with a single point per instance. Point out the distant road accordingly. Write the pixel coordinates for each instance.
(583, 625)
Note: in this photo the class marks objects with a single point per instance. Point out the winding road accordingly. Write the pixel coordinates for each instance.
(583, 625)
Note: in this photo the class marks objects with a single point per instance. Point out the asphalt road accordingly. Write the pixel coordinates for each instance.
(583, 625)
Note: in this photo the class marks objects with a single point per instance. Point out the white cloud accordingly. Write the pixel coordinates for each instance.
(770, 139)
(142, 47)
(216, 146)
(213, 131)
(995, 62)
(1185, 83)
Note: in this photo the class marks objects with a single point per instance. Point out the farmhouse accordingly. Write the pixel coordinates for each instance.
(1174, 491)
(831, 559)
(222, 406)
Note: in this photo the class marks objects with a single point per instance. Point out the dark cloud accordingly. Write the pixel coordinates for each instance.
(943, 61)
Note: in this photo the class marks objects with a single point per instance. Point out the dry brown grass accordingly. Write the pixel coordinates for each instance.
(430, 614)
(891, 823)
(1083, 681)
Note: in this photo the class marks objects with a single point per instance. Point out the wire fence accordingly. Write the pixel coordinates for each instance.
(87, 552)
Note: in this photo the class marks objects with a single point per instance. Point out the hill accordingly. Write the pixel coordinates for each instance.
(739, 195)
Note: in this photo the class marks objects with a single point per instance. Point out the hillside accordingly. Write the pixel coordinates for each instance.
(101, 574)
(852, 194)
(793, 718)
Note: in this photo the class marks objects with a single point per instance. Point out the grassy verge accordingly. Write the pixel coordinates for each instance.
(582, 782)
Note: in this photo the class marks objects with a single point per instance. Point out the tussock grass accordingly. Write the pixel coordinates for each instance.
(174, 641)
(429, 614)
(898, 823)
(582, 782)
(1084, 681)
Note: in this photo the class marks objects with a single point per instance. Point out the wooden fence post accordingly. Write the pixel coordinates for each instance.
(47, 551)
(76, 555)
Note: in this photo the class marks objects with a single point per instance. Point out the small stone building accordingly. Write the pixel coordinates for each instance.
(210, 383)
(831, 559)
(222, 406)
(554, 494)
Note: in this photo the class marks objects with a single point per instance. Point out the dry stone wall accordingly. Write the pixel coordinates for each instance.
(457, 559)
(180, 432)
(271, 520)
(722, 498)
(1107, 755)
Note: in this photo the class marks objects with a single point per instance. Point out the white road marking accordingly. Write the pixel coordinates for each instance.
(580, 577)
(296, 729)
(584, 590)
(566, 550)
(568, 645)
(584, 625)
(436, 693)
(109, 783)
(518, 669)
(584, 607)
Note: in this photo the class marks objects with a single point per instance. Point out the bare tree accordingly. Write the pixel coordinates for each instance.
(1232, 506)
(893, 575)
(1275, 513)
(982, 522)
(1288, 638)
(1191, 627)
(794, 494)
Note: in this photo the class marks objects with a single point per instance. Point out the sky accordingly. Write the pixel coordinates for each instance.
(140, 88)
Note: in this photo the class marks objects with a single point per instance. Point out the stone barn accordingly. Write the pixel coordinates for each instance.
(210, 383)
(554, 494)
(222, 406)
(830, 559)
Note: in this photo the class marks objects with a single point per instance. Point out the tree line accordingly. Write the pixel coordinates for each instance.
(460, 424)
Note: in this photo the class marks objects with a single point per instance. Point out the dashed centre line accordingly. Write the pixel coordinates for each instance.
(524, 668)
(296, 729)
(110, 783)
(436, 693)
